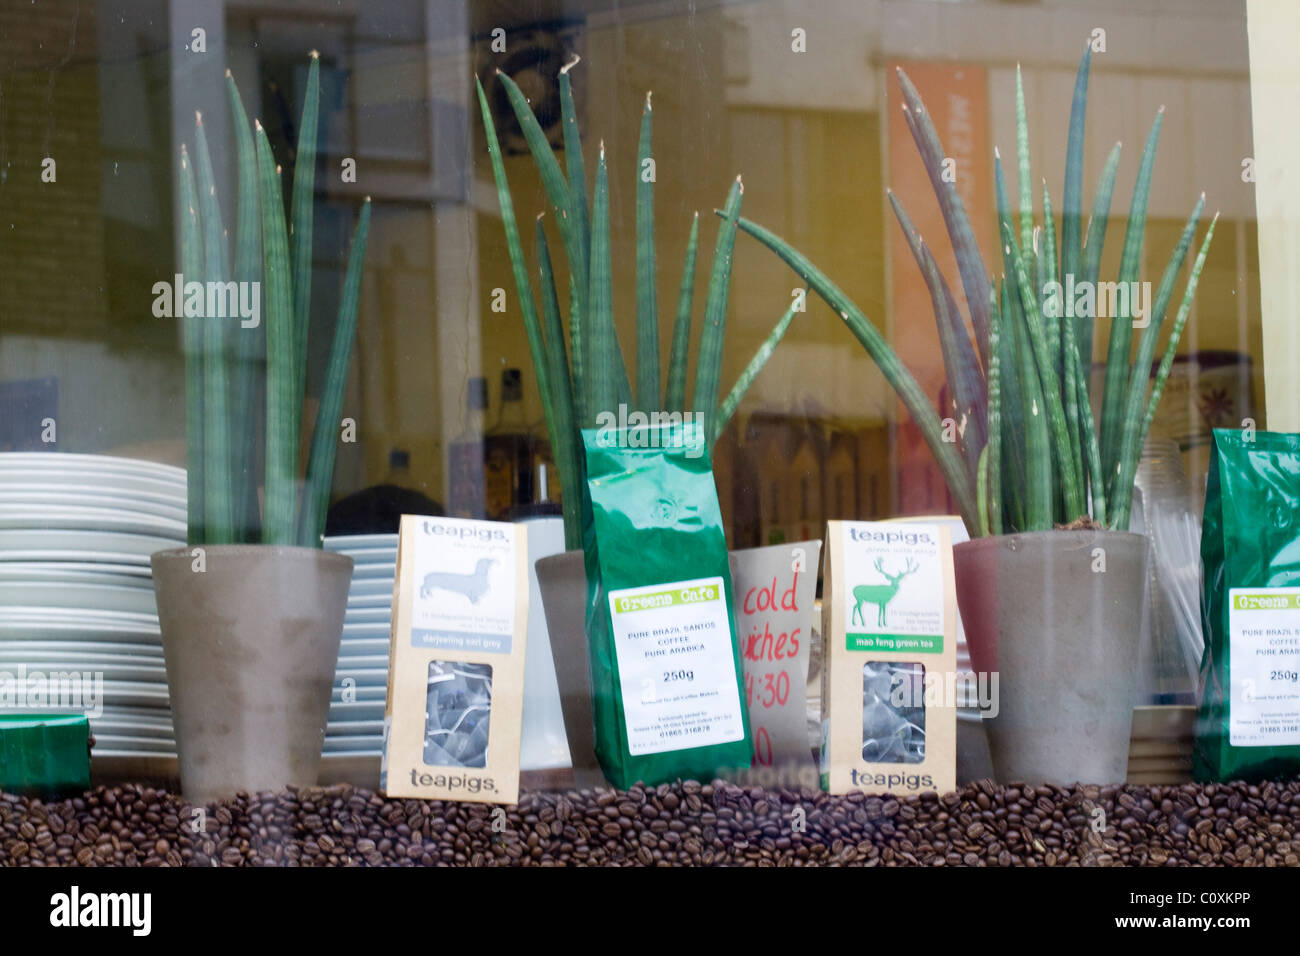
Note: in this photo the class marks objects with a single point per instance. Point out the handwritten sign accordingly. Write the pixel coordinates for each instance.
(774, 589)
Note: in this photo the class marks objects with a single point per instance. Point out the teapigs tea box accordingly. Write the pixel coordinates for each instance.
(889, 629)
(456, 663)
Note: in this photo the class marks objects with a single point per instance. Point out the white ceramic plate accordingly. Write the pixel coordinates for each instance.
(369, 588)
(346, 728)
(133, 744)
(83, 650)
(372, 572)
(76, 615)
(127, 727)
(140, 673)
(107, 482)
(372, 677)
(358, 631)
(135, 694)
(353, 745)
(363, 662)
(89, 496)
(94, 597)
(91, 546)
(104, 575)
(353, 647)
(370, 555)
(360, 695)
(378, 615)
(90, 463)
(358, 710)
(358, 542)
(23, 629)
(135, 712)
(74, 518)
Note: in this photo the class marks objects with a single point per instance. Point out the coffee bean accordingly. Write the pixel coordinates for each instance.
(671, 824)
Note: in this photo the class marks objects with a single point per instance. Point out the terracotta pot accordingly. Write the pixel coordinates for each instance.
(251, 643)
(1058, 615)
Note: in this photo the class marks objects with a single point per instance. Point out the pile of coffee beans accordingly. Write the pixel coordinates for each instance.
(686, 823)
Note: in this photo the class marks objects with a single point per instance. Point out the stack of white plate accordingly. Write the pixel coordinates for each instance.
(76, 591)
(356, 721)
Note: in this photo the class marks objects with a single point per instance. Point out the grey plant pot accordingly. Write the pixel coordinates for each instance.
(562, 579)
(251, 644)
(1063, 637)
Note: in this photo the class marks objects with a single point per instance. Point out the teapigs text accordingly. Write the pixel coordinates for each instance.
(464, 531)
(445, 781)
(892, 781)
(891, 537)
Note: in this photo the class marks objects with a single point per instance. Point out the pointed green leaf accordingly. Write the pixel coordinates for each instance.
(192, 269)
(604, 350)
(561, 422)
(647, 309)
(1093, 244)
(325, 434)
(1130, 434)
(709, 364)
(904, 384)
(218, 490)
(1049, 388)
(965, 379)
(992, 453)
(282, 424)
(1072, 208)
(1121, 326)
(576, 171)
(542, 358)
(680, 354)
(301, 207)
(248, 380)
(970, 264)
(1022, 153)
(746, 379)
(1038, 449)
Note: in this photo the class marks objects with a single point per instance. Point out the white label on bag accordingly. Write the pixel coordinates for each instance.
(676, 666)
(1264, 662)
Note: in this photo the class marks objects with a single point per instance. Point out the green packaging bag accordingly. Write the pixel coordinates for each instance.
(1248, 723)
(666, 671)
(44, 754)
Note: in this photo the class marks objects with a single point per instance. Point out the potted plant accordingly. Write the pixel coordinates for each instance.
(252, 611)
(1051, 586)
(581, 373)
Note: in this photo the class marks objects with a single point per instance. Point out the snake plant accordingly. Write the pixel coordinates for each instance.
(224, 412)
(1025, 453)
(582, 374)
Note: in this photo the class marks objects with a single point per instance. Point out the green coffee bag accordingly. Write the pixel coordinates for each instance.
(666, 669)
(1248, 724)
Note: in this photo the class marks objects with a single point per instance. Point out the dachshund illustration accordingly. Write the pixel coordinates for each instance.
(472, 586)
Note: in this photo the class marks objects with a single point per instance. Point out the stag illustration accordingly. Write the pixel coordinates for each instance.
(879, 594)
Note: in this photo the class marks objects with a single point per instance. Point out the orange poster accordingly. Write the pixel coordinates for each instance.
(956, 96)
